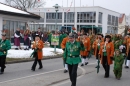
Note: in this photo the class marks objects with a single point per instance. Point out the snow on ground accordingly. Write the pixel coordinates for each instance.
(26, 54)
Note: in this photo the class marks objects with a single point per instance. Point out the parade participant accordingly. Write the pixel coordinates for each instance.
(85, 53)
(128, 51)
(106, 52)
(27, 39)
(5, 45)
(63, 45)
(37, 46)
(72, 57)
(17, 37)
(40, 33)
(96, 45)
(118, 63)
(118, 42)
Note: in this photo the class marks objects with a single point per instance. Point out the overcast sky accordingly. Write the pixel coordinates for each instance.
(122, 6)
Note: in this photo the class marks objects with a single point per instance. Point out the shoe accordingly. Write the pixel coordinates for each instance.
(86, 63)
(65, 71)
(33, 69)
(25, 49)
(40, 67)
(82, 64)
(126, 67)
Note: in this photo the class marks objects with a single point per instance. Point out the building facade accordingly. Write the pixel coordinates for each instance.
(77, 17)
(12, 18)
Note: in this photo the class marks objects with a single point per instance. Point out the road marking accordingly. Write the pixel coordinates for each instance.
(67, 81)
(30, 76)
(38, 75)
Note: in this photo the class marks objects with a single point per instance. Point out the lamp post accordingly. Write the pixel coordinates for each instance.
(56, 9)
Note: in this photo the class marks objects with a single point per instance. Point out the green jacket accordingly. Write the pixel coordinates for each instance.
(5, 46)
(72, 53)
(119, 60)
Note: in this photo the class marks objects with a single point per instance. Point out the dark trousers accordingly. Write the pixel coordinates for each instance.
(2, 62)
(106, 66)
(73, 73)
(35, 63)
(97, 54)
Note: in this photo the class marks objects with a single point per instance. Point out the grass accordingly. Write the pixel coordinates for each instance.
(17, 59)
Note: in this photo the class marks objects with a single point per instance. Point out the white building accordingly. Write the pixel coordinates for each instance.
(77, 17)
(12, 18)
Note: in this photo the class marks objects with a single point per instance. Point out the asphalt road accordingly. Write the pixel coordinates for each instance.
(20, 74)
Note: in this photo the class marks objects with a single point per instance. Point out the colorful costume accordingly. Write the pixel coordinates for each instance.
(118, 63)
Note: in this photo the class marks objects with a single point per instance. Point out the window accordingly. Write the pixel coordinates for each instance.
(109, 22)
(69, 16)
(100, 18)
(86, 17)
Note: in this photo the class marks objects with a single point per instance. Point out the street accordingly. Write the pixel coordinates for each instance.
(20, 74)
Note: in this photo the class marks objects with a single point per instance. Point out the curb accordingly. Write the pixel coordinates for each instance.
(29, 60)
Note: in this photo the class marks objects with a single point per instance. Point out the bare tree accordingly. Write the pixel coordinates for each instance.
(25, 4)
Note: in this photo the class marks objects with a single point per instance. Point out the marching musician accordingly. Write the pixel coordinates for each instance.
(106, 54)
(72, 56)
(128, 51)
(84, 54)
(5, 45)
(37, 46)
(96, 45)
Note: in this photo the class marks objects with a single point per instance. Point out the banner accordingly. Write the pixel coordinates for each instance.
(55, 40)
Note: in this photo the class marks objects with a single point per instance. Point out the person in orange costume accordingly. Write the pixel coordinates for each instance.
(63, 45)
(106, 54)
(96, 45)
(84, 54)
(37, 46)
(128, 51)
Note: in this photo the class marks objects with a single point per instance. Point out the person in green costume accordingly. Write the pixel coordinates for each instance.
(5, 45)
(118, 63)
(72, 57)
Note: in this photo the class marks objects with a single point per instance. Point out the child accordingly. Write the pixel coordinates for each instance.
(119, 60)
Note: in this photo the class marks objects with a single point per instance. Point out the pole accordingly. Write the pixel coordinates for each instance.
(92, 16)
(79, 15)
(55, 31)
(74, 14)
(66, 14)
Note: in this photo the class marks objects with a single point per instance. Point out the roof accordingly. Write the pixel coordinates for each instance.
(8, 10)
(121, 18)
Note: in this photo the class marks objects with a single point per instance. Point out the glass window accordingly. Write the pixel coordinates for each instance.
(12, 29)
(70, 17)
(6, 28)
(109, 20)
(100, 18)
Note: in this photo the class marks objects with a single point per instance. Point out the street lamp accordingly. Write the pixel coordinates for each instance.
(56, 9)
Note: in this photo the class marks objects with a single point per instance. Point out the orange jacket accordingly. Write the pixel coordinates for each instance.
(95, 46)
(86, 42)
(63, 43)
(40, 46)
(109, 50)
(128, 46)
